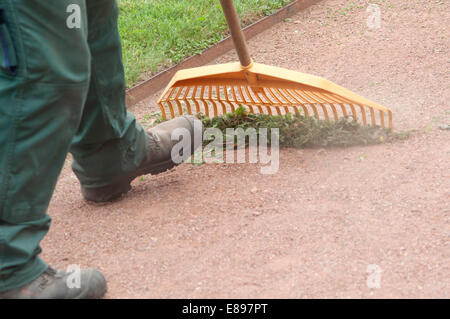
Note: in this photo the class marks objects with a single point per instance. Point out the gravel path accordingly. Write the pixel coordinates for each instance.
(334, 223)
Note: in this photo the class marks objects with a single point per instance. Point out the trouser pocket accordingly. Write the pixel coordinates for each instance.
(8, 59)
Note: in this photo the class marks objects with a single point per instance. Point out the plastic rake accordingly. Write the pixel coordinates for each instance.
(219, 89)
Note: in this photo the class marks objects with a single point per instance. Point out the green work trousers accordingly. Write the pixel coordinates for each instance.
(61, 90)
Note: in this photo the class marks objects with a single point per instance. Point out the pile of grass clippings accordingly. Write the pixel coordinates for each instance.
(300, 131)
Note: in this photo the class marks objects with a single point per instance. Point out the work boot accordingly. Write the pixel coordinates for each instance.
(56, 284)
(158, 158)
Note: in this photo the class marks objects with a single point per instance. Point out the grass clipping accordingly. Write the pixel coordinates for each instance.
(300, 131)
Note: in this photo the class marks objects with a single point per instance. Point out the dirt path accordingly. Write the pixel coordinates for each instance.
(312, 229)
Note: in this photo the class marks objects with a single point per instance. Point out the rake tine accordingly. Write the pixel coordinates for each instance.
(382, 118)
(180, 107)
(163, 110)
(312, 105)
(194, 98)
(202, 98)
(333, 108)
(169, 101)
(177, 101)
(242, 95)
(306, 101)
(372, 115)
(331, 104)
(270, 101)
(325, 112)
(172, 110)
(233, 108)
(363, 113)
(224, 108)
(229, 100)
(302, 104)
(244, 101)
(272, 92)
(277, 100)
(211, 100)
(252, 101)
(188, 104)
(337, 101)
(227, 97)
(234, 94)
(352, 108)
(390, 119)
(258, 101)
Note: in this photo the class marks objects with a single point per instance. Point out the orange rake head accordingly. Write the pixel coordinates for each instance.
(219, 89)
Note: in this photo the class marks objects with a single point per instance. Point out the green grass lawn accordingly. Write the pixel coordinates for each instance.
(159, 33)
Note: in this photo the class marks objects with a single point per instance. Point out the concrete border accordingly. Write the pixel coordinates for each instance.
(148, 87)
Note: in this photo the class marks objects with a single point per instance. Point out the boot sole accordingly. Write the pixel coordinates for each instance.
(123, 185)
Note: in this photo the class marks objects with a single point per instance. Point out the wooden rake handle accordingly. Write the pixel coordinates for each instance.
(236, 32)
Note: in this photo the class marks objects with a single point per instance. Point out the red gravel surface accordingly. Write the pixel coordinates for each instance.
(312, 229)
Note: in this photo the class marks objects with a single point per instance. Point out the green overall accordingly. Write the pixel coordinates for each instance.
(61, 90)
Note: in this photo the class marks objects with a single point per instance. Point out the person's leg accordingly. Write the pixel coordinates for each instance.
(110, 148)
(44, 80)
(109, 140)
